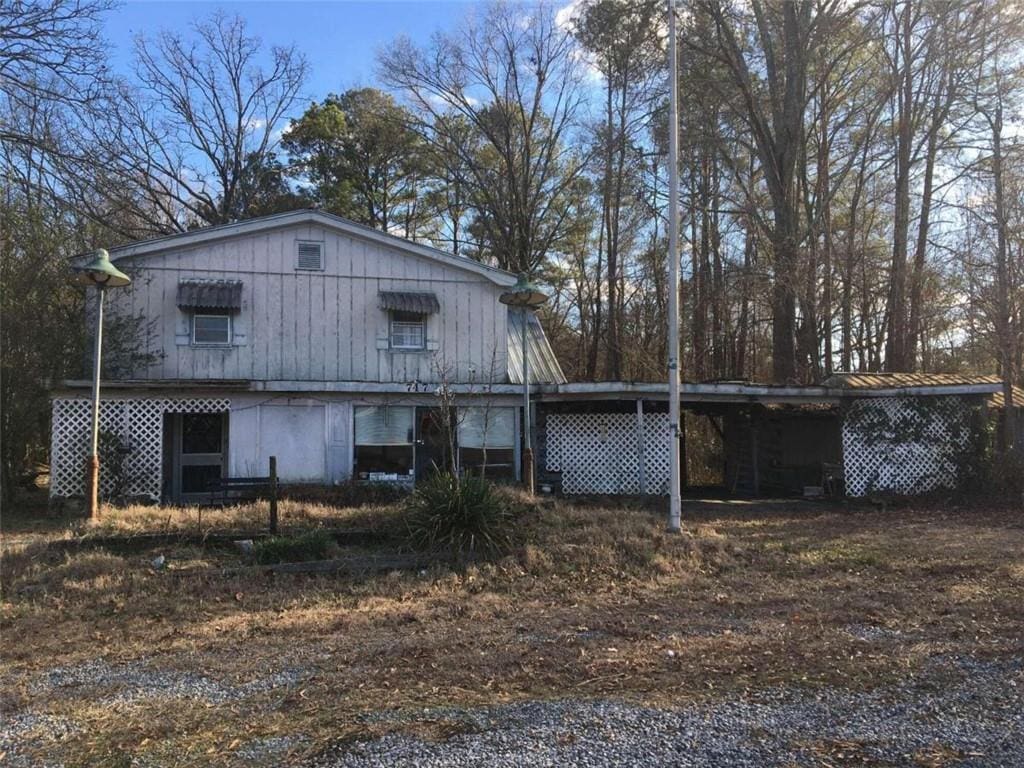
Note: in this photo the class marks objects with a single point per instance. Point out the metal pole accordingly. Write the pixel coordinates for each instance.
(528, 479)
(93, 465)
(675, 502)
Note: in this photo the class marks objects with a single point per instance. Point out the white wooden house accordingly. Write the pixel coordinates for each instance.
(310, 338)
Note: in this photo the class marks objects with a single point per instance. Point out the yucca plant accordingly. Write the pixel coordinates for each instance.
(465, 515)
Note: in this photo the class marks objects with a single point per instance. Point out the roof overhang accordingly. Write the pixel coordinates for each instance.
(283, 386)
(762, 394)
(304, 216)
(754, 394)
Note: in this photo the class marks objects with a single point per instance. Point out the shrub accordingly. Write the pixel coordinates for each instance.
(465, 515)
(314, 545)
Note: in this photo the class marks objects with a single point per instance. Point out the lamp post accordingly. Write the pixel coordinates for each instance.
(101, 274)
(527, 297)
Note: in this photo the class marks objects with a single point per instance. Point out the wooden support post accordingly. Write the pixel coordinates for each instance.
(753, 456)
(684, 473)
(273, 494)
(528, 471)
(640, 448)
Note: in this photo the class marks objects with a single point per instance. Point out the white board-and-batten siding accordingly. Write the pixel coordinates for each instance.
(315, 325)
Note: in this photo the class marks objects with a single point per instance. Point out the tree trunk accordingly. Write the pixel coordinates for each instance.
(785, 248)
(896, 325)
(1003, 309)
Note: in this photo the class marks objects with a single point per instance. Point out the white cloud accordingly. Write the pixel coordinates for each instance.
(565, 15)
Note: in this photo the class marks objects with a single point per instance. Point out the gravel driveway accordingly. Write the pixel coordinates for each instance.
(957, 711)
(960, 711)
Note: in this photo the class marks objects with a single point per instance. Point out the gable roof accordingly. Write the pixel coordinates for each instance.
(307, 216)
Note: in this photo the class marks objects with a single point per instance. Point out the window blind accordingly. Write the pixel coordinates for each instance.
(384, 425)
(486, 427)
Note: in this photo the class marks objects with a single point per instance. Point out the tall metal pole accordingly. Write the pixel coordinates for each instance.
(675, 502)
(93, 467)
(527, 430)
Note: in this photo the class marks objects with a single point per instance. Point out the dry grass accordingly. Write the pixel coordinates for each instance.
(598, 601)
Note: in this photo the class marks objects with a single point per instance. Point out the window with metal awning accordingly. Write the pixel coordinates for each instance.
(408, 312)
(211, 304)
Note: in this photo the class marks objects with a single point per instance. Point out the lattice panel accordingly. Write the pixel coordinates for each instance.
(903, 445)
(599, 452)
(140, 425)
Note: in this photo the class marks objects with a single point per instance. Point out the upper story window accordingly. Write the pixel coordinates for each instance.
(408, 330)
(310, 255)
(210, 305)
(211, 330)
(407, 313)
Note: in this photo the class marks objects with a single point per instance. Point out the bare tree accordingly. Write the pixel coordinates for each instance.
(997, 84)
(512, 76)
(50, 50)
(204, 110)
(621, 40)
(775, 41)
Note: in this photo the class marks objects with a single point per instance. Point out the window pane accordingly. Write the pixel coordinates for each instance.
(406, 317)
(486, 427)
(384, 425)
(392, 461)
(212, 329)
(196, 478)
(498, 465)
(407, 335)
(201, 432)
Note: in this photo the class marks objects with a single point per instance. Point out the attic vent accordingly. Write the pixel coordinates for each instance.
(311, 255)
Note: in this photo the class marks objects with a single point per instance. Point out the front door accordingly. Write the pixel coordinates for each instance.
(199, 440)
(432, 432)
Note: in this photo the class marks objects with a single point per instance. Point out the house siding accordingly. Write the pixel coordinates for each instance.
(316, 326)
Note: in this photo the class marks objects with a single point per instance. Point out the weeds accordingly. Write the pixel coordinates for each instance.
(464, 515)
(313, 545)
(596, 600)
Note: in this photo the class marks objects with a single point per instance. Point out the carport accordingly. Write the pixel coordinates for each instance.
(849, 435)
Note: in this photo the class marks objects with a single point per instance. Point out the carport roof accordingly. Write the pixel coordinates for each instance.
(889, 380)
(763, 394)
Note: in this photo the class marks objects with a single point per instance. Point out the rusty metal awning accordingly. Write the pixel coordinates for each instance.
(210, 294)
(420, 302)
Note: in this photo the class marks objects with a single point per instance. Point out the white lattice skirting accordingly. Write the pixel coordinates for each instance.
(898, 445)
(140, 425)
(600, 452)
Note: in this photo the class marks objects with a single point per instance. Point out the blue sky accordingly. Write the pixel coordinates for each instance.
(340, 38)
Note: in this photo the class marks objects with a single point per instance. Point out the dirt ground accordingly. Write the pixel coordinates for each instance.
(107, 660)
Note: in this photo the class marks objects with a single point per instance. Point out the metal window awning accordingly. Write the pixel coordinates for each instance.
(422, 303)
(210, 294)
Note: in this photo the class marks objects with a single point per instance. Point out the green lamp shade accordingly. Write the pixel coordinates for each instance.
(101, 272)
(523, 294)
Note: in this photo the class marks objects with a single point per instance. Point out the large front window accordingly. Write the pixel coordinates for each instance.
(487, 441)
(384, 442)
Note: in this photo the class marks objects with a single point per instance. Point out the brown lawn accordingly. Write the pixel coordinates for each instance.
(599, 601)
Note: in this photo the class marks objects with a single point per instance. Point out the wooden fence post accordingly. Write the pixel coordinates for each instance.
(273, 494)
(641, 448)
